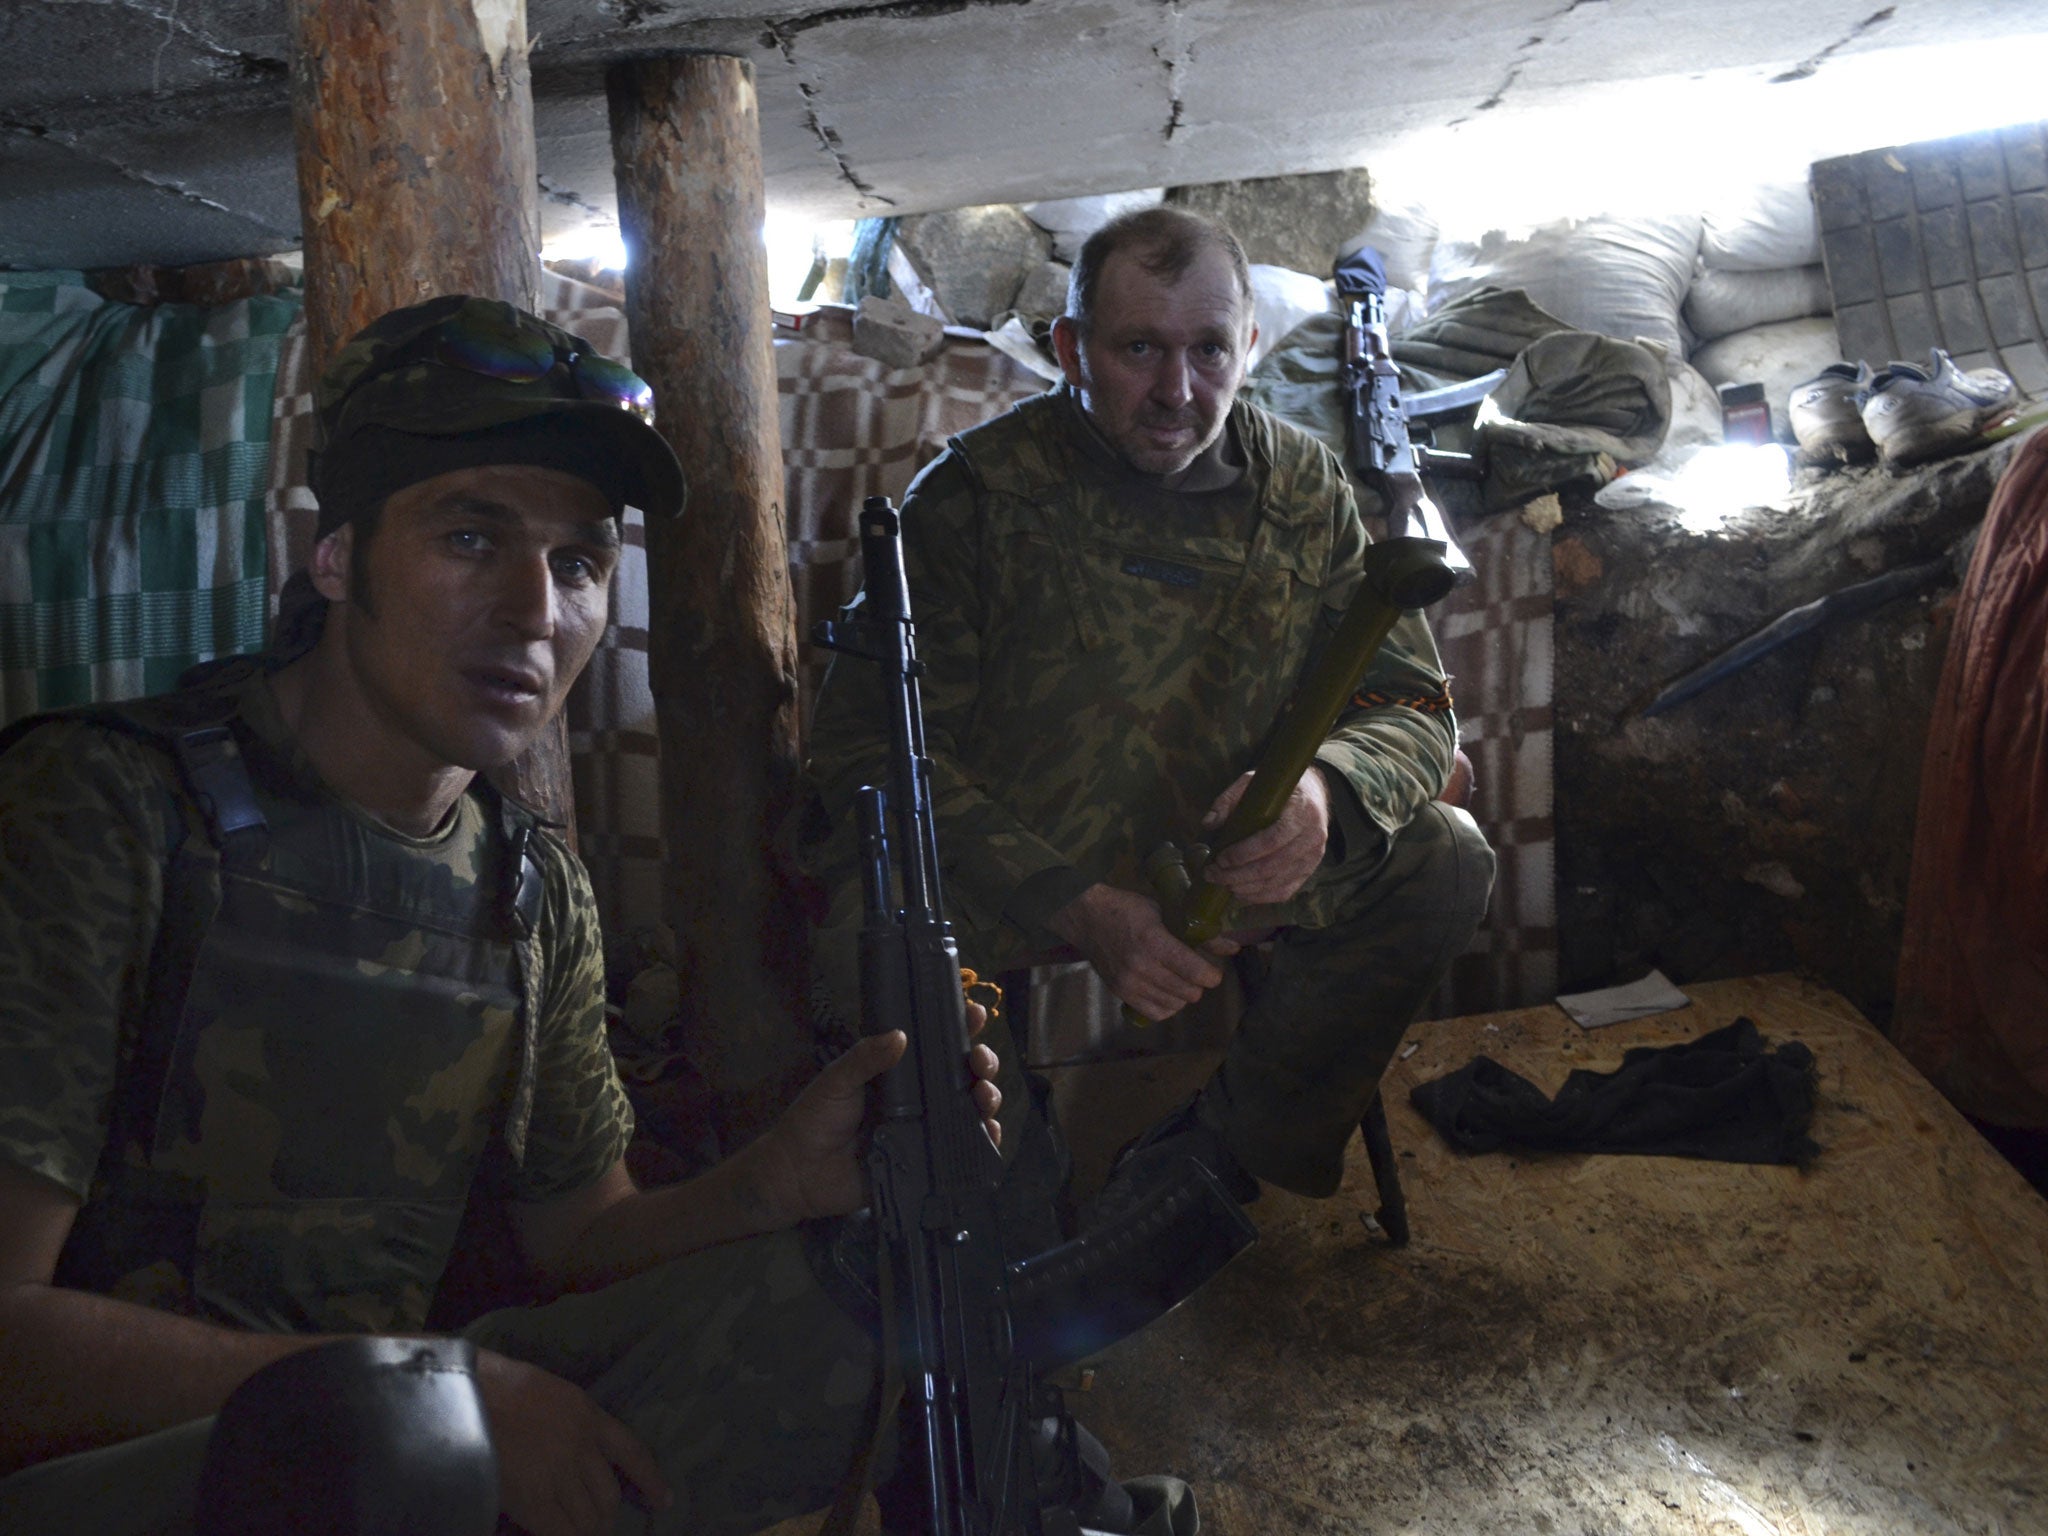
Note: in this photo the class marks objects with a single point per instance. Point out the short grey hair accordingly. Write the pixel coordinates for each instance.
(1167, 241)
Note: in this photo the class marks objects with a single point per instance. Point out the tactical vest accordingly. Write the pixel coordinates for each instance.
(334, 1030)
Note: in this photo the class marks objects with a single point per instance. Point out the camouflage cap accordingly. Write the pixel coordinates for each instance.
(458, 368)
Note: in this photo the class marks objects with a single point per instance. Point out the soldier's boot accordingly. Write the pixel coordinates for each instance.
(361, 1437)
(1078, 1495)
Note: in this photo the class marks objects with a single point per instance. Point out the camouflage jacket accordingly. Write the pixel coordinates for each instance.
(365, 1015)
(1104, 658)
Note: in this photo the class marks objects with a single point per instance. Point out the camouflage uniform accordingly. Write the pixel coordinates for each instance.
(1104, 658)
(365, 1021)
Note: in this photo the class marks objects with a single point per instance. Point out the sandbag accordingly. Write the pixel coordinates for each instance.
(1625, 277)
(1071, 220)
(1779, 357)
(1405, 235)
(1281, 299)
(1761, 229)
(1722, 303)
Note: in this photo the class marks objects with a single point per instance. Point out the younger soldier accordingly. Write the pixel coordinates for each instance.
(281, 977)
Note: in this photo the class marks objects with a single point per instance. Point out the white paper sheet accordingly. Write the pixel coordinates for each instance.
(1611, 1005)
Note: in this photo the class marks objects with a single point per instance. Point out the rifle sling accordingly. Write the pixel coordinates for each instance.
(860, 1477)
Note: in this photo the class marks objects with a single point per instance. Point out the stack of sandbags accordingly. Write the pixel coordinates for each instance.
(1622, 275)
(1759, 304)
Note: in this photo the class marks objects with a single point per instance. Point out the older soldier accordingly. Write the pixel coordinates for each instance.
(281, 978)
(1116, 584)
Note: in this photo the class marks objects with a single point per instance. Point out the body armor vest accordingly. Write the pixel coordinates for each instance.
(335, 1029)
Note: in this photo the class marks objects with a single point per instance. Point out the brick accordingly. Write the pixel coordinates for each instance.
(894, 334)
(1898, 255)
(1838, 193)
(1933, 169)
(2030, 221)
(1945, 246)
(2026, 157)
(1913, 327)
(1851, 263)
(1887, 184)
(1865, 332)
(1959, 319)
(1992, 247)
(2006, 308)
(2028, 366)
(1980, 165)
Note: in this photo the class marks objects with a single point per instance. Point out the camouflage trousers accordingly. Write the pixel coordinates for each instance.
(1353, 959)
(748, 1383)
(1339, 990)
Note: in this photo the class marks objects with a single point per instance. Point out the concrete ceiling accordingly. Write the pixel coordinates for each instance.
(158, 130)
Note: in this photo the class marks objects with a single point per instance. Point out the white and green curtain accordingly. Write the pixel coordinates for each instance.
(134, 468)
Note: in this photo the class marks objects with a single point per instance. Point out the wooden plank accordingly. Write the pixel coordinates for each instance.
(1624, 1344)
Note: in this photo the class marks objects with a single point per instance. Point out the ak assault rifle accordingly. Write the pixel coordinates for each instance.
(971, 1327)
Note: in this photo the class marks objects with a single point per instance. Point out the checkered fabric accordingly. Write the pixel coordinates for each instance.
(134, 455)
(1495, 637)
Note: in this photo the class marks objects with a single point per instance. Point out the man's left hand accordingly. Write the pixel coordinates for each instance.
(807, 1163)
(1270, 866)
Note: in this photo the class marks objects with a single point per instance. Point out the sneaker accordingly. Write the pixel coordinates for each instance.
(1914, 414)
(1827, 418)
(1156, 1155)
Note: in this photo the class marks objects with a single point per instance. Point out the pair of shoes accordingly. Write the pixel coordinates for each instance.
(1826, 413)
(1902, 412)
(1155, 1155)
(1915, 414)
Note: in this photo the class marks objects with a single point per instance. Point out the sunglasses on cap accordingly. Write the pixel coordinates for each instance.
(476, 341)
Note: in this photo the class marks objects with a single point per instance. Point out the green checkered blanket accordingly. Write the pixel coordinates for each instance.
(134, 464)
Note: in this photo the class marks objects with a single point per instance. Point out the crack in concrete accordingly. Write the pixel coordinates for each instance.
(1527, 46)
(174, 28)
(1500, 91)
(827, 136)
(1174, 56)
(70, 141)
(567, 198)
(1806, 68)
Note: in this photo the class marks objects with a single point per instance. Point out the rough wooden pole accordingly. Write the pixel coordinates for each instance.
(722, 640)
(414, 126)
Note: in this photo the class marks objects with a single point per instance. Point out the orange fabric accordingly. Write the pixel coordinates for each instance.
(1973, 971)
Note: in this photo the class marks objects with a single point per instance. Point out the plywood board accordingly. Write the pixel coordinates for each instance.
(1624, 1344)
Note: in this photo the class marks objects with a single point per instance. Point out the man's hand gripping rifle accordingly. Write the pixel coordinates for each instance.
(969, 1326)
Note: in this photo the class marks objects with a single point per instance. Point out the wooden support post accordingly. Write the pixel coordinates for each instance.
(414, 126)
(722, 642)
